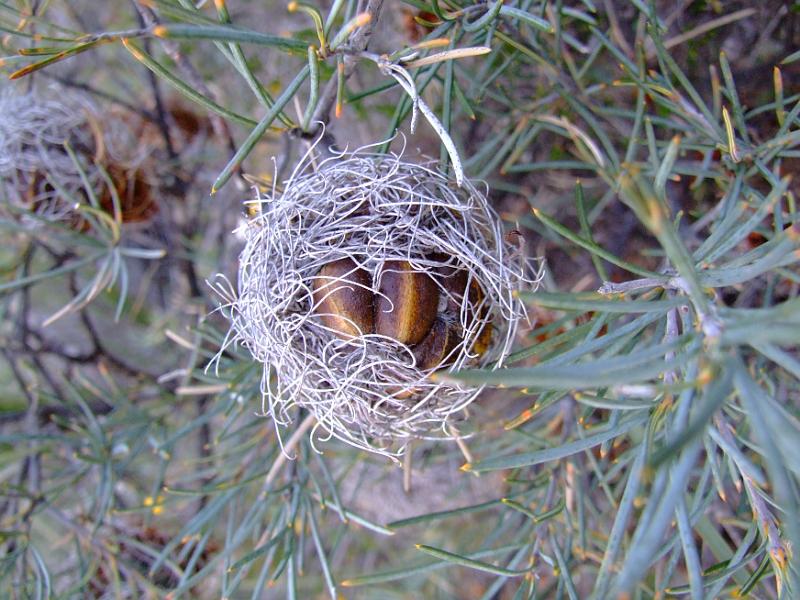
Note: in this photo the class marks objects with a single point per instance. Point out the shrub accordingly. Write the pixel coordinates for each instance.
(641, 441)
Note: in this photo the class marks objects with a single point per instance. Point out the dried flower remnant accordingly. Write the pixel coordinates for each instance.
(368, 231)
(58, 154)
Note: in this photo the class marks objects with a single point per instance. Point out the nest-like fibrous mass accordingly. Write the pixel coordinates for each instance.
(373, 209)
(57, 150)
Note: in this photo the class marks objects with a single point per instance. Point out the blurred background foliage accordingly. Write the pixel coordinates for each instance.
(643, 442)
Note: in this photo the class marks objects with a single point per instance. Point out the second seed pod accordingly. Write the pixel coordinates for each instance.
(461, 288)
(436, 350)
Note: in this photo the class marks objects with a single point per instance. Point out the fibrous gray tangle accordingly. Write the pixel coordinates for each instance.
(365, 279)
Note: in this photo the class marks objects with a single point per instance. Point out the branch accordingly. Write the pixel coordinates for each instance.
(358, 43)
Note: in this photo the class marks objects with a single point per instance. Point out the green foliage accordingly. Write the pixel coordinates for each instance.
(647, 433)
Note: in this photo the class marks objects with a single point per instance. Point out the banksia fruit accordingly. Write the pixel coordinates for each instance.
(428, 283)
(56, 156)
(430, 311)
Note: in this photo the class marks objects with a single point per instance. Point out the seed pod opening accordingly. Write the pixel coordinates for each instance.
(343, 298)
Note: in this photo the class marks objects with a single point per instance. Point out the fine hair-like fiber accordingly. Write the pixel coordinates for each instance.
(371, 208)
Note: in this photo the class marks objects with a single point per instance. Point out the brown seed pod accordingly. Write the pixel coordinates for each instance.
(407, 303)
(343, 299)
(455, 282)
(436, 349)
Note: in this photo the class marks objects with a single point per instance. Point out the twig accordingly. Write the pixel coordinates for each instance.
(298, 434)
(407, 467)
(705, 28)
(307, 424)
(616, 30)
(358, 43)
(161, 113)
(98, 345)
(192, 76)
